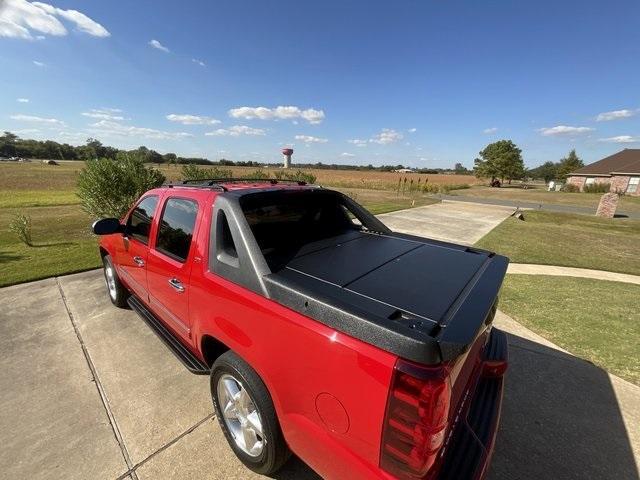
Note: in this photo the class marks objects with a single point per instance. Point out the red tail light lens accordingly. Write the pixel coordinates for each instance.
(415, 424)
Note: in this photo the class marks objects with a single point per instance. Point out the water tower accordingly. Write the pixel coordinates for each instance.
(287, 152)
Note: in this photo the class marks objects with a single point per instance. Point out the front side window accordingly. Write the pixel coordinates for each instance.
(633, 185)
(139, 222)
(176, 228)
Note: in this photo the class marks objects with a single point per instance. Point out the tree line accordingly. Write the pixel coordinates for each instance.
(11, 145)
(499, 160)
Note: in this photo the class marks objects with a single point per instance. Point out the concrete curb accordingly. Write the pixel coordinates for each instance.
(533, 269)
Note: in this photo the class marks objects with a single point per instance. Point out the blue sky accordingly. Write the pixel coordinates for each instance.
(425, 83)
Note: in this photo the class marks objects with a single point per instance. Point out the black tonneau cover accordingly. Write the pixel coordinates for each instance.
(396, 291)
(421, 299)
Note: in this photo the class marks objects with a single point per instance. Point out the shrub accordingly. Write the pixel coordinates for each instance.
(191, 171)
(257, 175)
(570, 188)
(107, 188)
(597, 188)
(20, 225)
(298, 176)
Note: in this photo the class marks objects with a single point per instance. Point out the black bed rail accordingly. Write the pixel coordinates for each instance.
(217, 182)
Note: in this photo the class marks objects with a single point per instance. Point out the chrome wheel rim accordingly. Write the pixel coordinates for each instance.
(110, 278)
(240, 415)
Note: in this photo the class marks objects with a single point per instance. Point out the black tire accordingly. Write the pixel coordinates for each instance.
(119, 294)
(275, 451)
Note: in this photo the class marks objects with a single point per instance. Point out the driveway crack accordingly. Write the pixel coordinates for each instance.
(99, 387)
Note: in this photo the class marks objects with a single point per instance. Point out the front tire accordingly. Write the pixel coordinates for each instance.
(118, 294)
(246, 415)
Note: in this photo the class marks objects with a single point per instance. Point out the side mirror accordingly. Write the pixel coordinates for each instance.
(107, 226)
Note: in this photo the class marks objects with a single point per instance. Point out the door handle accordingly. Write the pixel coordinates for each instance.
(138, 261)
(176, 284)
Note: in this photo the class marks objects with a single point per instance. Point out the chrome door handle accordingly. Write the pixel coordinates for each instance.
(138, 261)
(177, 285)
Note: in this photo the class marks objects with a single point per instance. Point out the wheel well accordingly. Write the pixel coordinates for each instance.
(211, 349)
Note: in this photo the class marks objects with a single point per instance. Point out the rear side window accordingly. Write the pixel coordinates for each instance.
(176, 228)
(139, 222)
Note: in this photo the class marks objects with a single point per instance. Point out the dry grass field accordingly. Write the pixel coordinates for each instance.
(64, 244)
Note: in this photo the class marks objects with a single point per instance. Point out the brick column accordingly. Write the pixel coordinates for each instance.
(608, 204)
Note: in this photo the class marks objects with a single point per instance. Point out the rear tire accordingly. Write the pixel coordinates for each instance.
(246, 415)
(118, 294)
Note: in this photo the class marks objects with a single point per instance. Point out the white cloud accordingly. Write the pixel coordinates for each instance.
(281, 112)
(83, 23)
(236, 131)
(347, 154)
(111, 128)
(386, 137)
(20, 19)
(564, 130)
(38, 64)
(104, 114)
(358, 142)
(490, 130)
(199, 62)
(156, 44)
(35, 119)
(310, 139)
(615, 115)
(620, 139)
(412, 130)
(187, 119)
(22, 100)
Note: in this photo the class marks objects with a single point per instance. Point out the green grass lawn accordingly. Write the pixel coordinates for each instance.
(593, 319)
(62, 241)
(541, 196)
(569, 240)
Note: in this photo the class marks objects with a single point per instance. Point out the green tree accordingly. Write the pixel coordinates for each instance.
(108, 188)
(548, 171)
(569, 164)
(8, 144)
(501, 159)
(460, 169)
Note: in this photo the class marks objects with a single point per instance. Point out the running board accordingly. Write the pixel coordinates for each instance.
(188, 359)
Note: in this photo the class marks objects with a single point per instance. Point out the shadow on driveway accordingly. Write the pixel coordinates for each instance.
(561, 419)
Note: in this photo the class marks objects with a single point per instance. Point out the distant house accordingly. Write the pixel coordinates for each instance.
(621, 170)
(404, 170)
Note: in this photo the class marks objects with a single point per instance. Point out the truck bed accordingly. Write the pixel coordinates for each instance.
(420, 299)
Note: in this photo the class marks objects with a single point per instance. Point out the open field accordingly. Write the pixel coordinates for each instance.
(539, 194)
(61, 233)
(569, 240)
(594, 319)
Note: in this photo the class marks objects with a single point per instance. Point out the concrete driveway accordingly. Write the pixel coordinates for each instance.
(88, 391)
(457, 222)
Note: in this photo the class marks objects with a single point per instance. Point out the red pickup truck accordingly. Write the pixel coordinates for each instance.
(367, 353)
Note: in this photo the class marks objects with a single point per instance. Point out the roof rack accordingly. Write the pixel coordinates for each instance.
(216, 182)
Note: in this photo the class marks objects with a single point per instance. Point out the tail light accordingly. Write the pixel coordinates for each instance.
(415, 423)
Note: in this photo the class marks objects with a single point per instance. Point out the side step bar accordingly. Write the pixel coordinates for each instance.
(188, 359)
